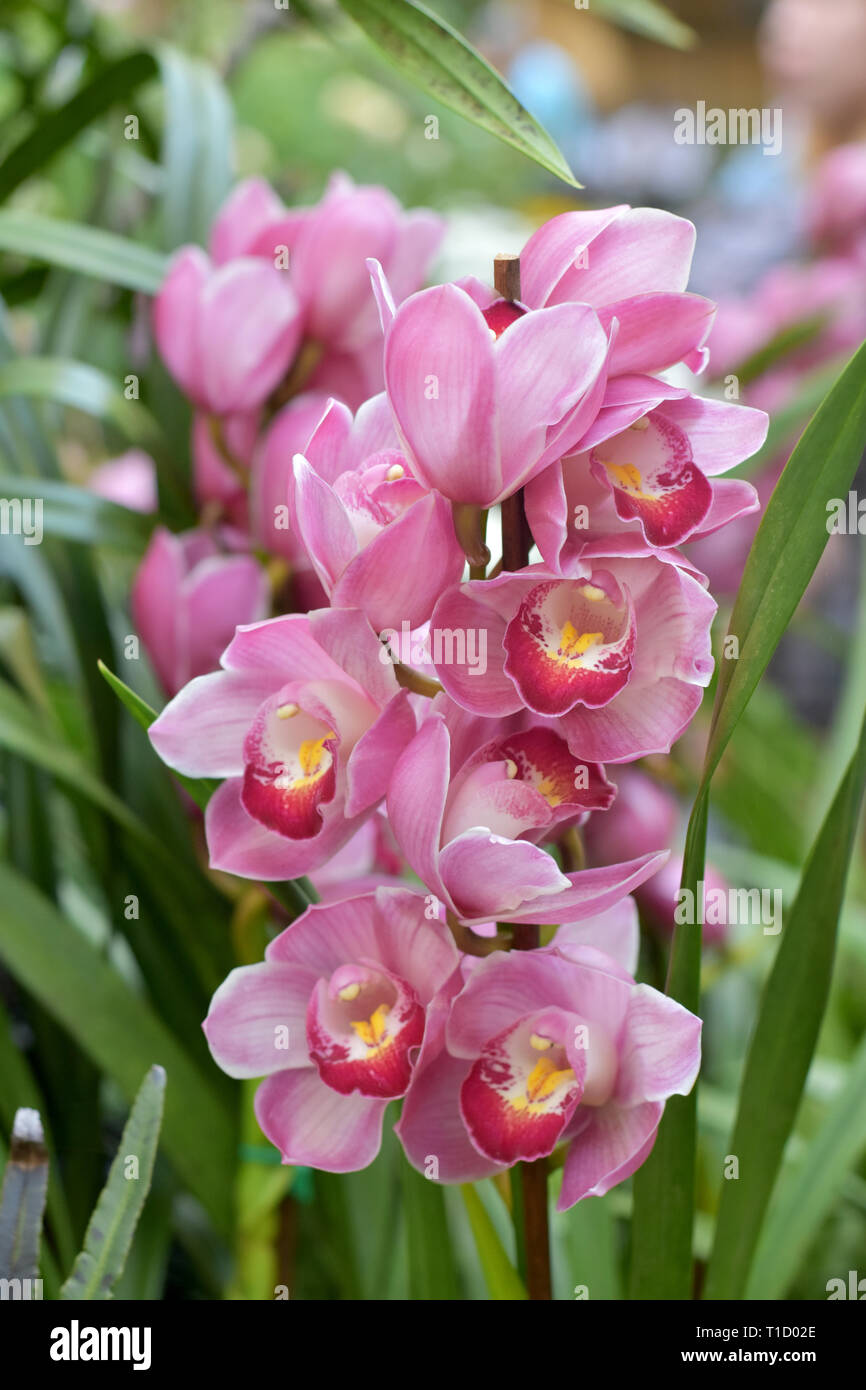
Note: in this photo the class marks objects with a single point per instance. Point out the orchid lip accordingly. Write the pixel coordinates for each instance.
(524, 1088)
(290, 769)
(363, 1026)
(571, 643)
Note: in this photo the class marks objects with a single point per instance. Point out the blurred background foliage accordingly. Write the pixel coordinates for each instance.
(92, 992)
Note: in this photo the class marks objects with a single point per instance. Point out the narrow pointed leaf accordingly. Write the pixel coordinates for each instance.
(87, 250)
(664, 1187)
(785, 1035)
(432, 1271)
(78, 515)
(789, 544)
(119, 1031)
(77, 384)
(111, 1228)
(503, 1281)
(196, 147)
(808, 1194)
(647, 17)
(436, 58)
(201, 789)
(296, 894)
(113, 83)
(783, 557)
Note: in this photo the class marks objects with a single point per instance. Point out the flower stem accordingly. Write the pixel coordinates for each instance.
(216, 429)
(529, 1214)
(516, 539)
(529, 1184)
(528, 1180)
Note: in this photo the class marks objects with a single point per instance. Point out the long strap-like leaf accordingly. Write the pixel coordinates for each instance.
(100, 1263)
(119, 1031)
(440, 61)
(782, 560)
(784, 1040)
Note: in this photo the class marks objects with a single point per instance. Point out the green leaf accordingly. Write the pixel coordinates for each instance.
(783, 557)
(109, 1233)
(201, 789)
(664, 1187)
(80, 386)
(503, 1281)
(439, 60)
(785, 1035)
(432, 1270)
(585, 1250)
(37, 741)
(809, 1193)
(789, 544)
(121, 1034)
(20, 1089)
(22, 1199)
(196, 147)
(57, 129)
(88, 250)
(648, 18)
(79, 515)
(788, 340)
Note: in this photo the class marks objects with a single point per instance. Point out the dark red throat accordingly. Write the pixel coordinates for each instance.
(501, 315)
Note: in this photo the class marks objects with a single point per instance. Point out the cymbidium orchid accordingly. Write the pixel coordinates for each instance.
(326, 247)
(333, 1017)
(485, 395)
(642, 819)
(632, 265)
(227, 334)
(363, 519)
(660, 897)
(304, 722)
(618, 652)
(271, 481)
(469, 816)
(345, 760)
(189, 595)
(648, 466)
(542, 1048)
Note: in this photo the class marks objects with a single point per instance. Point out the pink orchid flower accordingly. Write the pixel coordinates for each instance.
(129, 480)
(642, 819)
(271, 485)
(271, 479)
(370, 859)
(618, 651)
(658, 900)
(542, 1048)
(328, 245)
(647, 466)
(467, 822)
(486, 394)
(305, 723)
(333, 1017)
(378, 539)
(836, 208)
(632, 265)
(227, 334)
(188, 597)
